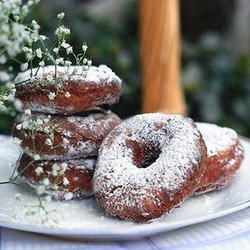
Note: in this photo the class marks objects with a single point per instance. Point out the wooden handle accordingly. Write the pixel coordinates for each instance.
(160, 56)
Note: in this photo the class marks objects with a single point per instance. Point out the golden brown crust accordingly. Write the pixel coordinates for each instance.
(221, 169)
(71, 137)
(83, 96)
(78, 174)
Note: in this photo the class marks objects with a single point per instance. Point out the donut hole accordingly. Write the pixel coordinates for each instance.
(143, 154)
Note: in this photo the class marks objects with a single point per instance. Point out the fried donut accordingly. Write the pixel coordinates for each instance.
(148, 165)
(71, 91)
(60, 137)
(224, 156)
(63, 179)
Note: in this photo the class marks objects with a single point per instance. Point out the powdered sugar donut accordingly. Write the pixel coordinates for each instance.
(64, 179)
(67, 90)
(147, 165)
(60, 137)
(224, 156)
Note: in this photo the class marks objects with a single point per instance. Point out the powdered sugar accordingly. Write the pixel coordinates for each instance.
(217, 139)
(94, 74)
(126, 183)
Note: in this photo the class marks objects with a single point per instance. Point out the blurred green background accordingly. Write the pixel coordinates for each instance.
(215, 53)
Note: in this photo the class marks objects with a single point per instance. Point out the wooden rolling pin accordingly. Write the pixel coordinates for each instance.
(160, 57)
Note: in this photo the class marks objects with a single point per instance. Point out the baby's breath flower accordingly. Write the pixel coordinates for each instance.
(56, 50)
(24, 66)
(65, 45)
(65, 181)
(46, 181)
(68, 196)
(39, 53)
(59, 61)
(36, 157)
(27, 112)
(48, 142)
(67, 94)
(62, 31)
(55, 167)
(41, 37)
(69, 50)
(39, 171)
(67, 63)
(19, 126)
(60, 15)
(39, 122)
(65, 141)
(84, 48)
(42, 64)
(35, 25)
(52, 95)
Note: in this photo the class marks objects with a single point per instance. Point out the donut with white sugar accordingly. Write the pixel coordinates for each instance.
(148, 165)
(67, 90)
(63, 137)
(224, 156)
(62, 179)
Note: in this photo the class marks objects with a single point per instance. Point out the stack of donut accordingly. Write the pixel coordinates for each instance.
(65, 120)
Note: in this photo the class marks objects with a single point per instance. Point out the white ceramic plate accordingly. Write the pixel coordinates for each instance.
(84, 220)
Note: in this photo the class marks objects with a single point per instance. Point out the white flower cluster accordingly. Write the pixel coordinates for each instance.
(16, 38)
(60, 181)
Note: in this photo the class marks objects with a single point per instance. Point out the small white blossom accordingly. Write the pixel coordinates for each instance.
(67, 63)
(61, 15)
(27, 112)
(65, 181)
(68, 196)
(65, 141)
(39, 53)
(46, 120)
(42, 37)
(62, 31)
(69, 50)
(42, 64)
(65, 45)
(36, 157)
(24, 66)
(59, 61)
(52, 95)
(19, 126)
(64, 166)
(67, 94)
(84, 48)
(39, 171)
(3, 59)
(54, 172)
(48, 142)
(46, 181)
(39, 122)
(56, 50)
(35, 25)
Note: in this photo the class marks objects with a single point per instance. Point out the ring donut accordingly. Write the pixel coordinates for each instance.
(60, 137)
(73, 90)
(63, 179)
(224, 156)
(148, 165)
